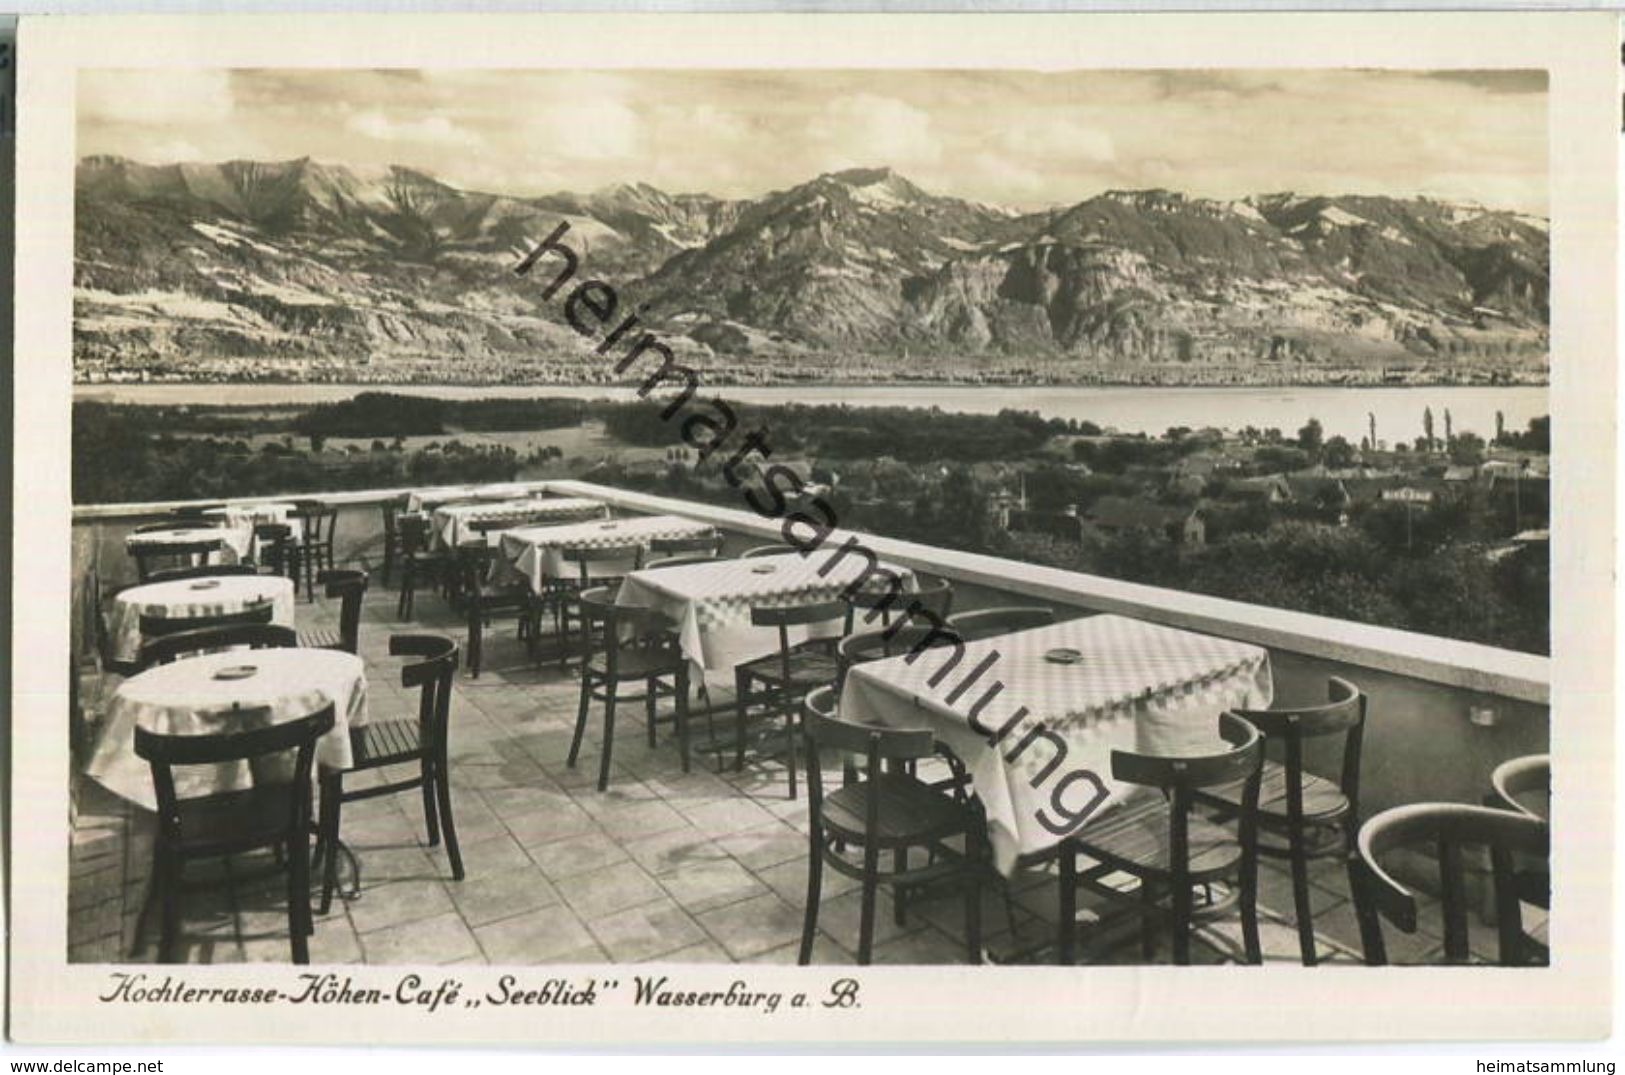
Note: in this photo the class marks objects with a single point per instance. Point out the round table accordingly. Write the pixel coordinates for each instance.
(187, 598)
(187, 698)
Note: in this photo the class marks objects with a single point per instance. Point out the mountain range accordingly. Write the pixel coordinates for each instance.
(305, 270)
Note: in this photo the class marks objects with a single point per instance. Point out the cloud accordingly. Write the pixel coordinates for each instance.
(156, 98)
(865, 128)
(433, 129)
(1058, 137)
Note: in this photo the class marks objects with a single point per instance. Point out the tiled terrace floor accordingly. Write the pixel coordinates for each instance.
(702, 867)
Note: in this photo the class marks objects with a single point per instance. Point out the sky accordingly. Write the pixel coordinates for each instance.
(1019, 138)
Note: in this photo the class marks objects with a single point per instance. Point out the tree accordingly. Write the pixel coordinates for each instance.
(1500, 427)
(1371, 422)
(1339, 453)
(317, 442)
(1310, 439)
(1467, 449)
(1449, 432)
(1427, 430)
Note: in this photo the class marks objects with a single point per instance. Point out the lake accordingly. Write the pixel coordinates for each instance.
(1343, 411)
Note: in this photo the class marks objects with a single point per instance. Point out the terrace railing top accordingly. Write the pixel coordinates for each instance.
(1465, 665)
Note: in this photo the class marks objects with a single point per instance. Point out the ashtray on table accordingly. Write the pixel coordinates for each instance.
(236, 671)
(1063, 656)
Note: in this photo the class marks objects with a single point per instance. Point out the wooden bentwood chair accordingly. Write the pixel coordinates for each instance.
(273, 815)
(1158, 840)
(884, 810)
(422, 741)
(350, 587)
(174, 646)
(638, 648)
(1449, 827)
(1302, 816)
(778, 682)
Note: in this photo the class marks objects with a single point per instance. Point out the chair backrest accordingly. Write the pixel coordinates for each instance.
(414, 531)
(433, 673)
(934, 596)
(1525, 785)
(623, 625)
(193, 552)
(273, 543)
(767, 550)
(350, 587)
(1449, 827)
(876, 645)
(801, 614)
(172, 647)
(317, 520)
(159, 626)
(823, 729)
(261, 739)
(992, 622)
(201, 571)
(195, 511)
(392, 508)
(1178, 777)
(1343, 714)
(584, 558)
(678, 561)
(710, 544)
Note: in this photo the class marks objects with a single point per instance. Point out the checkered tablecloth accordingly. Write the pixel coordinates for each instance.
(186, 698)
(187, 598)
(711, 603)
(536, 552)
(451, 523)
(1136, 686)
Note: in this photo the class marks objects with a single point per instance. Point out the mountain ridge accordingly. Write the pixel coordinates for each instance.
(308, 268)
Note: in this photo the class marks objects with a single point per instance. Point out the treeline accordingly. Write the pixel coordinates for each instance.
(119, 457)
(387, 414)
(839, 432)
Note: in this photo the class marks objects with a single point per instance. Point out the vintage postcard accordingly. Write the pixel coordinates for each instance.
(814, 528)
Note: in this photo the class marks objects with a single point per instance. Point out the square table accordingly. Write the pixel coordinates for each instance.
(451, 522)
(187, 697)
(710, 603)
(537, 552)
(1133, 686)
(429, 499)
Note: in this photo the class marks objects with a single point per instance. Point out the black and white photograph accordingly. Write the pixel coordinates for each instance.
(561, 526)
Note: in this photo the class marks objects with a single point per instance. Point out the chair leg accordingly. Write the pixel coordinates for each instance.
(442, 783)
(1067, 924)
(649, 711)
(899, 896)
(1249, 916)
(741, 684)
(1300, 896)
(815, 880)
(682, 714)
(1182, 899)
(332, 803)
(866, 924)
(169, 909)
(1148, 920)
(609, 736)
(300, 926)
(431, 821)
(973, 897)
(476, 637)
(582, 712)
(790, 711)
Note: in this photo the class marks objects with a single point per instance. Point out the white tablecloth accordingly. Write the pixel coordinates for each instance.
(711, 603)
(451, 523)
(193, 597)
(1138, 686)
(429, 499)
(184, 698)
(245, 517)
(237, 540)
(536, 552)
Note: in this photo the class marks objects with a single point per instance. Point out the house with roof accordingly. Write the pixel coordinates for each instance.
(1116, 514)
(1269, 488)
